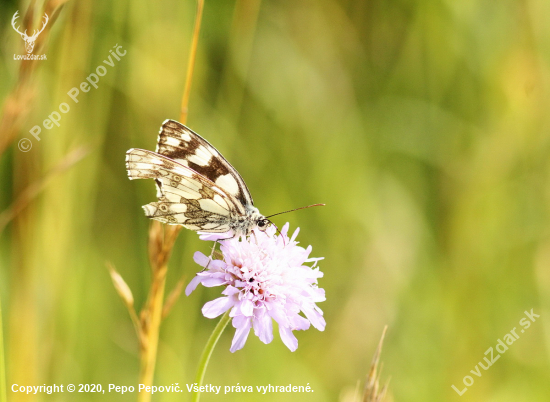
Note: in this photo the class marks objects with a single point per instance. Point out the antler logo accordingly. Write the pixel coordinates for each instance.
(29, 40)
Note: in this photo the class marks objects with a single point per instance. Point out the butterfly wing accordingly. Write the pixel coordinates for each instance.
(186, 147)
(185, 197)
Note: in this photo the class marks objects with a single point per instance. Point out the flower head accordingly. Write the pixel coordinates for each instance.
(265, 278)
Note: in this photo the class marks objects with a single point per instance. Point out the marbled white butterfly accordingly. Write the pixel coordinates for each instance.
(196, 186)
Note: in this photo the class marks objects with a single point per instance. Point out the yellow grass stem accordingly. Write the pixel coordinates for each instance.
(151, 328)
(191, 64)
(161, 240)
(2, 362)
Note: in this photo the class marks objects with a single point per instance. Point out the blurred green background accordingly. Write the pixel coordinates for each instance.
(423, 125)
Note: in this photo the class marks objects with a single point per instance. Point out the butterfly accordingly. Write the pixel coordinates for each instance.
(196, 186)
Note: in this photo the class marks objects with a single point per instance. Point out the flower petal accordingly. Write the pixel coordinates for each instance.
(288, 338)
(263, 327)
(193, 285)
(314, 317)
(241, 334)
(216, 307)
(284, 230)
(279, 315)
(215, 236)
(247, 307)
(231, 291)
(201, 259)
(299, 323)
(213, 281)
(294, 235)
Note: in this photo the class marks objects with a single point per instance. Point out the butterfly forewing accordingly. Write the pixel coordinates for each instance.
(186, 197)
(186, 147)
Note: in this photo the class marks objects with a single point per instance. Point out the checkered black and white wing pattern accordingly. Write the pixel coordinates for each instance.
(186, 197)
(186, 147)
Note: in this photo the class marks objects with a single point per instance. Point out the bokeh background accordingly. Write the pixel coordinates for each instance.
(423, 125)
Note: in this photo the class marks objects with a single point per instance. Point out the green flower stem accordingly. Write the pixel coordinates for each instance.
(207, 352)
(2, 362)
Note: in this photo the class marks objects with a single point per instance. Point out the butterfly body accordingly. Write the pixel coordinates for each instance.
(196, 186)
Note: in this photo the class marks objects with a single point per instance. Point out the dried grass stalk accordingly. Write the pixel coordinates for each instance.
(161, 242)
(372, 391)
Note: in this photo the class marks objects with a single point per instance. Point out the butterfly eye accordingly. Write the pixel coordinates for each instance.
(263, 224)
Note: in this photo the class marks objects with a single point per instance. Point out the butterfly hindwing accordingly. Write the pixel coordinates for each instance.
(185, 196)
(183, 145)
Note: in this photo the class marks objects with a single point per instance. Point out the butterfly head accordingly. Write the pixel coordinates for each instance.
(263, 223)
(256, 219)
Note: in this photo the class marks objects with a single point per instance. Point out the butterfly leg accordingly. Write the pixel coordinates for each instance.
(210, 256)
(214, 250)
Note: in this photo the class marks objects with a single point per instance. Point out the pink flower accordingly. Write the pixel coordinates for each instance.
(265, 278)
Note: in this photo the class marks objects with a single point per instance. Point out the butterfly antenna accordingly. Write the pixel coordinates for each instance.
(296, 209)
